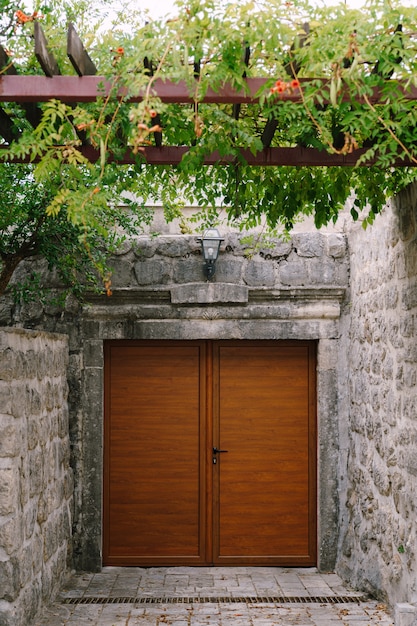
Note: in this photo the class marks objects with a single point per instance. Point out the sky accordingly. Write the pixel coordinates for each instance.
(160, 8)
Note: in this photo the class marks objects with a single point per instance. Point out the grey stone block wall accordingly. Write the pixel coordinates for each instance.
(289, 290)
(366, 381)
(378, 407)
(309, 259)
(36, 486)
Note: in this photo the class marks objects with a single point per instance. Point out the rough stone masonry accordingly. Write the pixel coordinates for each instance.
(378, 409)
(358, 301)
(35, 476)
(291, 290)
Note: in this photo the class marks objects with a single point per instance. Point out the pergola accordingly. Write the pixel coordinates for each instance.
(29, 91)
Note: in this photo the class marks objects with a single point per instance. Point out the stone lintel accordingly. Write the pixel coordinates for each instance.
(129, 296)
(195, 300)
(298, 293)
(209, 293)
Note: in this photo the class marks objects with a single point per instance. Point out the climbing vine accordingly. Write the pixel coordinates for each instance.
(337, 79)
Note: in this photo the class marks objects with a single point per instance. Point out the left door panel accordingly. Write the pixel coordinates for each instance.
(154, 453)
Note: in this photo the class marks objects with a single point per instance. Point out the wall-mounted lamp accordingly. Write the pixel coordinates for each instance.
(210, 247)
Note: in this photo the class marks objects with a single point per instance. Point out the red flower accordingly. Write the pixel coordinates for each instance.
(22, 18)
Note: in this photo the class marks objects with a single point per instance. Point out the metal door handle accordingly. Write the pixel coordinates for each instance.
(217, 451)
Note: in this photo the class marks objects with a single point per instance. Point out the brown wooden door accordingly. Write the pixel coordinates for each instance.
(168, 498)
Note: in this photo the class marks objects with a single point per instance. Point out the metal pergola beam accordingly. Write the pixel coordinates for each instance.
(78, 55)
(73, 89)
(297, 156)
(30, 91)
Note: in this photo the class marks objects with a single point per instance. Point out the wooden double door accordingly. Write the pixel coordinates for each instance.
(210, 453)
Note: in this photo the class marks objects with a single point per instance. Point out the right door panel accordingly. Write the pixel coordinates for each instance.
(264, 507)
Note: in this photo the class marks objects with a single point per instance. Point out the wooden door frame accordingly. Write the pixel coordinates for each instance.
(208, 391)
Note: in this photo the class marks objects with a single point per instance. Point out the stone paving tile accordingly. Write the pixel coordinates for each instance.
(211, 582)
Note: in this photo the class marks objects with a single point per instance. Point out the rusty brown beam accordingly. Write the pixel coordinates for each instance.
(45, 57)
(172, 155)
(297, 156)
(7, 128)
(33, 112)
(237, 106)
(6, 64)
(72, 89)
(268, 132)
(78, 55)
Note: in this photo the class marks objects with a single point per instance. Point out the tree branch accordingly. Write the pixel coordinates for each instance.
(10, 262)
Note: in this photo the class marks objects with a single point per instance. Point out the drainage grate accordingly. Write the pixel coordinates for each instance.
(217, 600)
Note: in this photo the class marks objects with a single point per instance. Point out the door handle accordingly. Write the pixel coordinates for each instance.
(217, 451)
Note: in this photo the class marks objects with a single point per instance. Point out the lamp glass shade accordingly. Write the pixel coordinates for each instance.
(210, 243)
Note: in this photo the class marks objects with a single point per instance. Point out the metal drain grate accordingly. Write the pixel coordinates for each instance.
(217, 600)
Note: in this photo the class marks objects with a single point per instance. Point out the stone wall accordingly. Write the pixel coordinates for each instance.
(35, 477)
(366, 377)
(292, 290)
(378, 407)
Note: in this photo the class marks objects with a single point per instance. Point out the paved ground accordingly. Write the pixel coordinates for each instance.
(212, 596)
